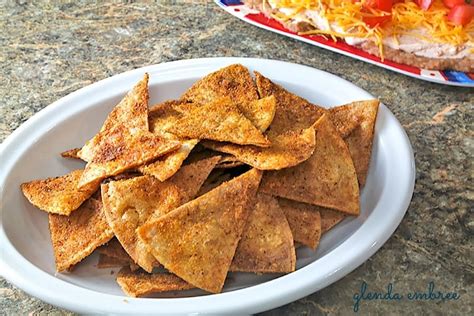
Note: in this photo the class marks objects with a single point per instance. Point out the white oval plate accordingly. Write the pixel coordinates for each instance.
(32, 152)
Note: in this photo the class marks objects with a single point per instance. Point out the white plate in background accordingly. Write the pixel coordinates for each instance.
(32, 152)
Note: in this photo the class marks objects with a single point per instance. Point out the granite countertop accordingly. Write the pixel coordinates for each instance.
(50, 50)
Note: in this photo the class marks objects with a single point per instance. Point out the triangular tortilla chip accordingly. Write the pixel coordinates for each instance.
(124, 141)
(219, 120)
(330, 218)
(106, 262)
(168, 165)
(161, 117)
(292, 112)
(304, 220)
(233, 81)
(266, 245)
(137, 284)
(197, 241)
(59, 195)
(360, 139)
(260, 112)
(164, 115)
(345, 124)
(76, 236)
(287, 149)
(327, 178)
(121, 154)
(130, 203)
(130, 116)
(71, 153)
(291, 133)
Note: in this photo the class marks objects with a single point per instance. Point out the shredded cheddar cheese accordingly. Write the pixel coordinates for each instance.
(346, 19)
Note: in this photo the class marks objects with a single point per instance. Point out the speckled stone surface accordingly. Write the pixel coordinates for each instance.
(50, 50)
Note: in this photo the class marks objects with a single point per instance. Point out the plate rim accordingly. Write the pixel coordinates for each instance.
(18, 270)
(226, 8)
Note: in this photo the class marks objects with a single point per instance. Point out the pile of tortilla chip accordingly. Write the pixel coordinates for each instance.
(228, 178)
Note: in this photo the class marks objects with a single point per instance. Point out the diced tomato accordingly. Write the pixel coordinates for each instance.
(452, 3)
(461, 14)
(424, 4)
(373, 21)
(384, 5)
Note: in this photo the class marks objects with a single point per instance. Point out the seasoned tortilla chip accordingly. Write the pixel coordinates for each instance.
(124, 141)
(344, 122)
(260, 112)
(164, 115)
(76, 236)
(130, 203)
(197, 241)
(327, 178)
(59, 195)
(292, 112)
(137, 284)
(330, 218)
(233, 81)
(287, 149)
(168, 165)
(360, 139)
(304, 220)
(266, 245)
(291, 133)
(106, 262)
(71, 153)
(122, 153)
(219, 120)
(130, 116)
(161, 117)
(228, 161)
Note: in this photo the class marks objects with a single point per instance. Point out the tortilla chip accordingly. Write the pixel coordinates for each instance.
(287, 149)
(228, 161)
(161, 117)
(137, 284)
(330, 218)
(219, 120)
(266, 245)
(168, 165)
(304, 220)
(58, 195)
(291, 133)
(164, 115)
(292, 112)
(76, 236)
(124, 141)
(130, 116)
(197, 241)
(327, 178)
(130, 203)
(71, 153)
(345, 123)
(260, 112)
(120, 154)
(360, 139)
(233, 81)
(106, 262)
